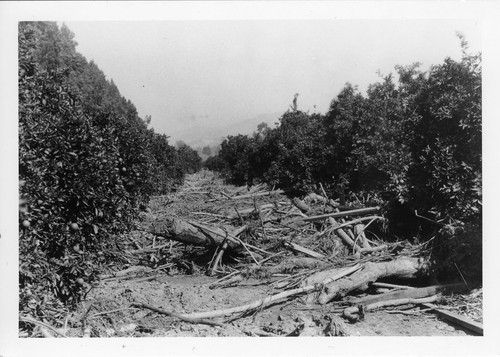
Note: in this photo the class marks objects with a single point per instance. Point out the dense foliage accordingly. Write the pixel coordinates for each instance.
(188, 158)
(86, 163)
(414, 142)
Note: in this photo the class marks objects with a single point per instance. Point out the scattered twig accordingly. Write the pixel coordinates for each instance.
(111, 312)
(177, 316)
(228, 236)
(210, 214)
(303, 250)
(403, 312)
(269, 299)
(355, 212)
(429, 220)
(239, 215)
(353, 313)
(218, 257)
(463, 279)
(358, 220)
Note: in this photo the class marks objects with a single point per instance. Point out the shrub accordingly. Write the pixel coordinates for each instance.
(235, 152)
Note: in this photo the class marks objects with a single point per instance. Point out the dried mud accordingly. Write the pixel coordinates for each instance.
(179, 285)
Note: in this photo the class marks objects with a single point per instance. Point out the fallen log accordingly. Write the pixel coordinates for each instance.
(462, 321)
(403, 268)
(342, 234)
(411, 293)
(353, 244)
(354, 212)
(226, 235)
(188, 233)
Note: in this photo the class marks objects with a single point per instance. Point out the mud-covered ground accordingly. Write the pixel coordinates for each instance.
(191, 293)
(173, 279)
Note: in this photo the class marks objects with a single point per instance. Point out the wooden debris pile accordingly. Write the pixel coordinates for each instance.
(308, 246)
(311, 249)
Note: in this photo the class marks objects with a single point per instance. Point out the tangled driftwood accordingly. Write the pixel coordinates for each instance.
(309, 246)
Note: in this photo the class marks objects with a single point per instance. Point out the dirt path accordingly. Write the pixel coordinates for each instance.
(172, 277)
(191, 294)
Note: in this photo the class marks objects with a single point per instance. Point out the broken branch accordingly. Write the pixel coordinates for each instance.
(269, 299)
(350, 313)
(455, 318)
(180, 317)
(413, 293)
(354, 212)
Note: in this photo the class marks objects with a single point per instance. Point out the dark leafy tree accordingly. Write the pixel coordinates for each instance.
(292, 153)
(86, 161)
(235, 152)
(445, 127)
(415, 140)
(188, 159)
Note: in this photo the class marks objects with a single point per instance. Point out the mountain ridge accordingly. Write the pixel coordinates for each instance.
(203, 135)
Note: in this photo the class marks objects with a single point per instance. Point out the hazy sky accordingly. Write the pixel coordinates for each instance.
(236, 70)
(186, 73)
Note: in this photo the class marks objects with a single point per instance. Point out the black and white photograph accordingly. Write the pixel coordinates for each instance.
(214, 178)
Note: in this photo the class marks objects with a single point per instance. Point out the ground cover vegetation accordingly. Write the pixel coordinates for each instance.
(87, 164)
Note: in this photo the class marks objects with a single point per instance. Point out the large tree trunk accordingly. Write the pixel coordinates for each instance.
(195, 234)
(404, 268)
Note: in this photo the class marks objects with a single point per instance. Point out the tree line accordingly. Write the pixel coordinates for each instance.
(87, 164)
(412, 141)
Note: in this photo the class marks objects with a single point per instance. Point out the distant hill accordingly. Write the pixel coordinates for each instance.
(204, 134)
